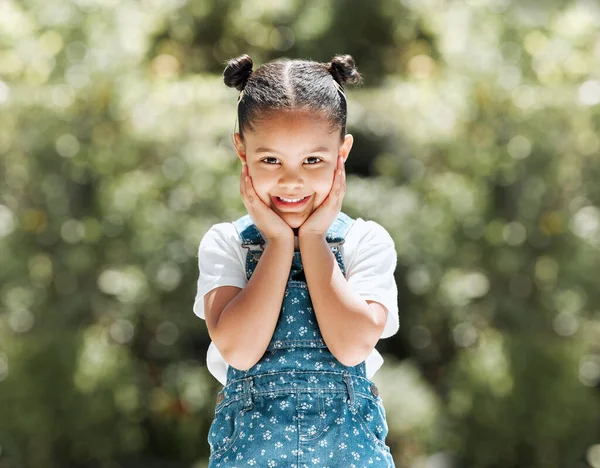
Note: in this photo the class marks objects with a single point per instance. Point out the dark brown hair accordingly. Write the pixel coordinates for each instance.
(286, 84)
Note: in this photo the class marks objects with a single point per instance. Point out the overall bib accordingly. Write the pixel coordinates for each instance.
(298, 407)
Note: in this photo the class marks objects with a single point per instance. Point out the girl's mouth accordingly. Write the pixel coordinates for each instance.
(284, 202)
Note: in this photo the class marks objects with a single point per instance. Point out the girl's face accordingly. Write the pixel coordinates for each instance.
(292, 155)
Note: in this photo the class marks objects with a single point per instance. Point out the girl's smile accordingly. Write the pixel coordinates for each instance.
(290, 203)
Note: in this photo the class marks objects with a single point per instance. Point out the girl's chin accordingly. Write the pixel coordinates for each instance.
(293, 220)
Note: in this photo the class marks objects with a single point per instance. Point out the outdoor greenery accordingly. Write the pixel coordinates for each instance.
(476, 146)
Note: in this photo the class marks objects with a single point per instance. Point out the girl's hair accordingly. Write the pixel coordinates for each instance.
(286, 84)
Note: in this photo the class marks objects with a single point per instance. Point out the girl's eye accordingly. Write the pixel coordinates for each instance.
(310, 160)
(314, 159)
(271, 160)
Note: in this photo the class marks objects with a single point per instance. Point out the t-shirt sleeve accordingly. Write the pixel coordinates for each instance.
(371, 272)
(220, 263)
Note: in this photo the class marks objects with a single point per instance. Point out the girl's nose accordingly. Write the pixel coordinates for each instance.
(290, 180)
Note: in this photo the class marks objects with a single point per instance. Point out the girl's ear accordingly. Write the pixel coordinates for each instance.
(346, 146)
(240, 148)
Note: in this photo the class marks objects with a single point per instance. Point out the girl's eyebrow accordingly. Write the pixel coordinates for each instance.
(318, 149)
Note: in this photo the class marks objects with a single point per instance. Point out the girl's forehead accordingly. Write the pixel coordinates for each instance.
(291, 127)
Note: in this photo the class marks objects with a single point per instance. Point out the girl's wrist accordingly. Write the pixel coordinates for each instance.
(308, 234)
(309, 239)
(282, 239)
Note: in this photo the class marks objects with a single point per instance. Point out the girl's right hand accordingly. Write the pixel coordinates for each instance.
(266, 220)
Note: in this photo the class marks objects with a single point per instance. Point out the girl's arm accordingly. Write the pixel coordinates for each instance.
(241, 322)
(350, 325)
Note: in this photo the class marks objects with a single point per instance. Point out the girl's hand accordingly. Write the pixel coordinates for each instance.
(266, 220)
(322, 218)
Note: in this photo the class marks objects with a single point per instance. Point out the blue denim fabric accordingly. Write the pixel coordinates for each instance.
(298, 406)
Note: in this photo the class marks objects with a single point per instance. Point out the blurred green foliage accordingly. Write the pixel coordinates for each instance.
(476, 146)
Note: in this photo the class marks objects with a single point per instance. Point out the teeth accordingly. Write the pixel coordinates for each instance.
(291, 200)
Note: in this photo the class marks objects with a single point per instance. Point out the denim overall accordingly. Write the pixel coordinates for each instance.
(298, 406)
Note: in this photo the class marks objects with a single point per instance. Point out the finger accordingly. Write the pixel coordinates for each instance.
(243, 183)
(336, 173)
(339, 183)
(247, 189)
(250, 189)
(247, 183)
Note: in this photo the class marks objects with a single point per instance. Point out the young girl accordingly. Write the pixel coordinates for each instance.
(296, 294)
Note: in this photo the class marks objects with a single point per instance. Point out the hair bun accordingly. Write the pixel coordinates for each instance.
(237, 72)
(343, 70)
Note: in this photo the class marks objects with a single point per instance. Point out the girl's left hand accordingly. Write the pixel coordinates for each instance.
(322, 218)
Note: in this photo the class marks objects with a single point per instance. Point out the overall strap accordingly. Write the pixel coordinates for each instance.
(337, 232)
(336, 236)
(251, 237)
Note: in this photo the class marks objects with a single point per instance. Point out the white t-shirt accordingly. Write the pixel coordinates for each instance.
(369, 257)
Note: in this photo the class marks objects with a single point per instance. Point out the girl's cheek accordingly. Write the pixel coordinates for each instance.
(262, 191)
(325, 185)
(259, 185)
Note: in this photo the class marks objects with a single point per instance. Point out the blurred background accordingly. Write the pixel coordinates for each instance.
(476, 146)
